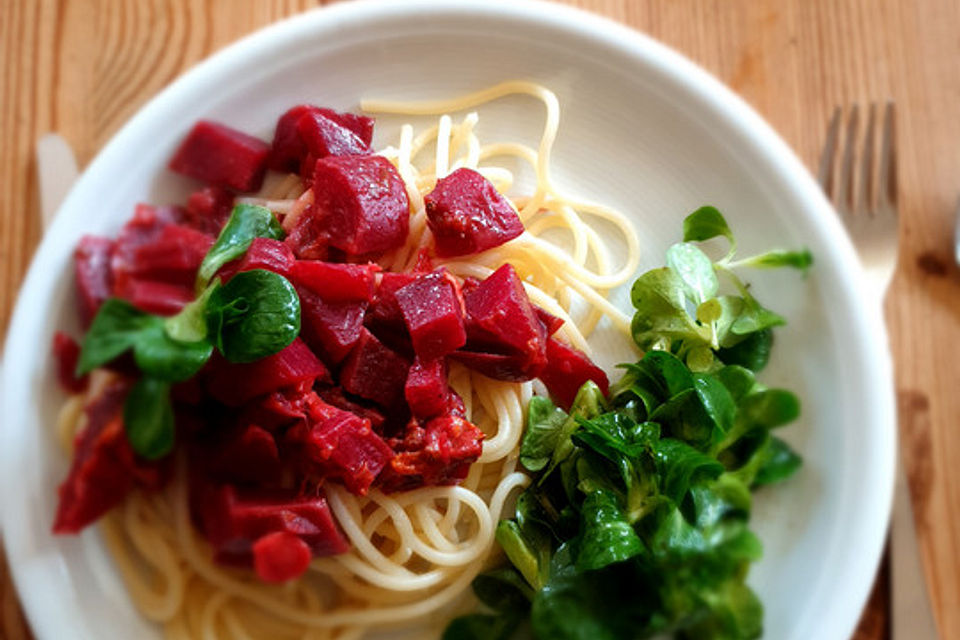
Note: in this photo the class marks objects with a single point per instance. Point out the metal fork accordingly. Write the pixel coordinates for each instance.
(862, 185)
(863, 188)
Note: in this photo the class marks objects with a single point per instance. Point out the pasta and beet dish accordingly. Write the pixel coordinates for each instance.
(338, 386)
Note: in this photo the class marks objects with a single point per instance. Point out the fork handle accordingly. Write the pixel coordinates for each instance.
(911, 616)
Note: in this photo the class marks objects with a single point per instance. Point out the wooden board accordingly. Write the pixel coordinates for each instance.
(83, 67)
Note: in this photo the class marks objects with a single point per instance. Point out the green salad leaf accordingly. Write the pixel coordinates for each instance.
(245, 223)
(254, 315)
(636, 523)
(148, 418)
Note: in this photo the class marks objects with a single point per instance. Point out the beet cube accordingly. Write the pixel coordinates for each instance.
(233, 384)
(330, 328)
(438, 454)
(160, 298)
(468, 215)
(280, 556)
(336, 282)
(384, 312)
(233, 520)
(247, 455)
(362, 126)
(342, 445)
(432, 309)
(505, 338)
(375, 372)
(280, 408)
(145, 227)
(512, 367)
(308, 239)
(92, 274)
(222, 156)
(104, 466)
(360, 204)
(173, 256)
(288, 150)
(208, 209)
(566, 371)
(264, 253)
(66, 352)
(550, 323)
(426, 390)
(323, 136)
(339, 399)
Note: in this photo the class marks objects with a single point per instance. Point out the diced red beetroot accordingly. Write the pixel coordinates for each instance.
(566, 371)
(279, 409)
(264, 253)
(384, 311)
(234, 384)
(66, 352)
(469, 284)
(145, 227)
(374, 371)
(288, 150)
(342, 446)
(508, 367)
(222, 156)
(173, 257)
(331, 329)
(424, 263)
(505, 339)
(439, 454)
(360, 207)
(92, 274)
(336, 282)
(160, 298)
(280, 556)
(247, 455)
(426, 390)
(432, 309)
(468, 215)
(336, 397)
(308, 239)
(550, 323)
(208, 209)
(325, 137)
(233, 520)
(306, 170)
(361, 125)
(104, 466)
(501, 315)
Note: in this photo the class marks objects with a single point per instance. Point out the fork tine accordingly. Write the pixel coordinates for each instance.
(825, 174)
(846, 194)
(868, 195)
(888, 159)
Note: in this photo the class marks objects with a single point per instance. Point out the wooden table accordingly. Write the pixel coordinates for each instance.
(83, 67)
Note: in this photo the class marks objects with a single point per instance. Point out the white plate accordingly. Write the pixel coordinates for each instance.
(643, 129)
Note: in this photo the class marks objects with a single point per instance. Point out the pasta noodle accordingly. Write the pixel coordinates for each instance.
(413, 554)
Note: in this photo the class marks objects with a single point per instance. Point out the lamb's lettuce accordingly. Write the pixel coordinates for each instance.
(636, 523)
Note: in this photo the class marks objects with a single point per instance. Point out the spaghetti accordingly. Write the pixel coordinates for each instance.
(413, 554)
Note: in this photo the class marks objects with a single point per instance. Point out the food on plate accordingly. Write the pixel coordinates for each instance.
(338, 386)
(301, 408)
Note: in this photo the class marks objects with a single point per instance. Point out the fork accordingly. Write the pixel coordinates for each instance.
(862, 185)
(863, 190)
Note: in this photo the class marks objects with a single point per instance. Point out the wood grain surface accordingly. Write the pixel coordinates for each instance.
(83, 67)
